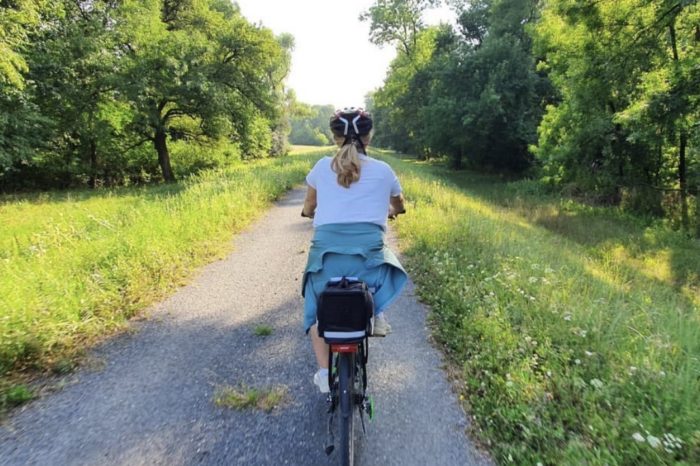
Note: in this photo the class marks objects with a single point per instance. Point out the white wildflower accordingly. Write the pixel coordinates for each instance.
(653, 441)
(582, 333)
(532, 279)
(638, 437)
(577, 361)
(509, 383)
(662, 373)
(567, 317)
(589, 354)
(596, 383)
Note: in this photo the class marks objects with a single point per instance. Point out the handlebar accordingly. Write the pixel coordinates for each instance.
(396, 214)
(390, 216)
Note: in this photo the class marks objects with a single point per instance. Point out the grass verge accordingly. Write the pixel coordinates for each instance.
(575, 330)
(262, 330)
(76, 265)
(264, 399)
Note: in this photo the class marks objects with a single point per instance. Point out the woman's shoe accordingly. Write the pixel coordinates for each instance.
(321, 380)
(381, 327)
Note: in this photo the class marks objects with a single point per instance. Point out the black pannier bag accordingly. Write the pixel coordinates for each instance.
(345, 308)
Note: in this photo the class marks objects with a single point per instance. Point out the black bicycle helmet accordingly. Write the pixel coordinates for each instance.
(351, 123)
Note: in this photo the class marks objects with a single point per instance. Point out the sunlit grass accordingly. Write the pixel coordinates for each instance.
(576, 329)
(262, 330)
(299, 149)
(76, 265)
(243, 397)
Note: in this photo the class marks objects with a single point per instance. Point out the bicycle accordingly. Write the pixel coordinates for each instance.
(344, 313)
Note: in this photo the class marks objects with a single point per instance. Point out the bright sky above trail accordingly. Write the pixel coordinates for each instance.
(333, 60)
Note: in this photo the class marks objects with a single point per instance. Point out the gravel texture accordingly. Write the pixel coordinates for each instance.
(150, 400)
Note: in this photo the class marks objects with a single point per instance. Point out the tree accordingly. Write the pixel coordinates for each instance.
(19, 117)
(310, 125)
(71, 63)
(397, 22)
(626, 72)
(201, 61)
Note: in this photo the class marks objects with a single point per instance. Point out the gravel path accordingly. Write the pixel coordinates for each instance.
(151, 402)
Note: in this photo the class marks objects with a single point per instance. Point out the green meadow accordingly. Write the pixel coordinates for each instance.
(573, 331)
(76, 265)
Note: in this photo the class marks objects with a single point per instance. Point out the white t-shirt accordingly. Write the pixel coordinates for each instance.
(366, 200)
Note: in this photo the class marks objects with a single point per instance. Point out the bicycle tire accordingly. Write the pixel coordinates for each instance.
(346, 378)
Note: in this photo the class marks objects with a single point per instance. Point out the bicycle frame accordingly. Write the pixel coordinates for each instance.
(348, 383)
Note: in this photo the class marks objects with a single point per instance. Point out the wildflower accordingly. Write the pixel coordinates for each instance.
(662, 373)
(596, 383)
(638, 437)
(671, 442)
(567, 317)
(589, 354)
(532, 279)
(653, 441)
(578, 361)
(509, 383)
(582, 333)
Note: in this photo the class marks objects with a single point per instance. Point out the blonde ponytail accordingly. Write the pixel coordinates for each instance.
(346, 164)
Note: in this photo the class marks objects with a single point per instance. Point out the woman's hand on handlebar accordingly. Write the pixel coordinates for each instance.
(393, 213)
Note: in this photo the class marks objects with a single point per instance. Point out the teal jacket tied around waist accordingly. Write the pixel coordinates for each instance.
(351, 249)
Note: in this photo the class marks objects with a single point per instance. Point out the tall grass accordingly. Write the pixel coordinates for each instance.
(75, 265)
(575, 330)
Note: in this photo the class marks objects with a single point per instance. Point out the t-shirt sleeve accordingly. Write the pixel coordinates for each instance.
(395, 185)
(311, 178)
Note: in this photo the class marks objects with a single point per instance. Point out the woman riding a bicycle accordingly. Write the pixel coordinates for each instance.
(350, 196)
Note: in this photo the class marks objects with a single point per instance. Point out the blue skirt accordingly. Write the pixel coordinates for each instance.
(351, 265)
(351, 250)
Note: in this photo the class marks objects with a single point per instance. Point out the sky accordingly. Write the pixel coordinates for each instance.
(333, 61)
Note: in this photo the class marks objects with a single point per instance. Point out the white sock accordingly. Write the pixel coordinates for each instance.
(323, 372)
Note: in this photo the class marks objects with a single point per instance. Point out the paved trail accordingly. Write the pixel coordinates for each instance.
(151, 402)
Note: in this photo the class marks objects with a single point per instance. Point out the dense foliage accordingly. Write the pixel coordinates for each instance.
(310, 125)
(600, 98)
(95, 91)
(574, 330)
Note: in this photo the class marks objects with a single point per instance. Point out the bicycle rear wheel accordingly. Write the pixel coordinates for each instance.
(346, 378)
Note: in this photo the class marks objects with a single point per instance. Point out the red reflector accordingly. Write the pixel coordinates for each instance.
(344, 348)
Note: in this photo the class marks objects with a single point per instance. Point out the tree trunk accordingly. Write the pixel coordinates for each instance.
(457, 160)
(683, 179)
(93, 164)
(682, 145)
(160, 143)
(697, 211)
